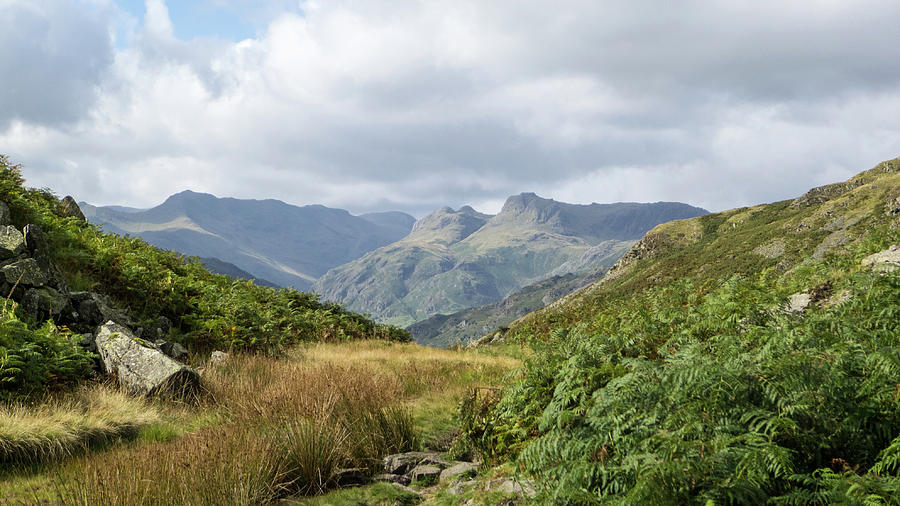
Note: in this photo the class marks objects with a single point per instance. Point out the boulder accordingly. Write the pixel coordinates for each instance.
(45, 302)
(141, 368)
(37, 247)
(459, 470)
(5, 218)
(400, 463)
(25, 272)
(391, 478)
(173, 350)
(68, 208)
(884, 261)
(12, 242)
(92, 309)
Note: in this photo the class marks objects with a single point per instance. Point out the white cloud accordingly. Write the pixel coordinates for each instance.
(414, 105)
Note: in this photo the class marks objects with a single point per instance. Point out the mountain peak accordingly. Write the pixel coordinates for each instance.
(449, 226)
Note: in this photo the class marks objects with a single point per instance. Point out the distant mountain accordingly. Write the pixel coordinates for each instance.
(229, 269)
(453, 260)
(269, 239)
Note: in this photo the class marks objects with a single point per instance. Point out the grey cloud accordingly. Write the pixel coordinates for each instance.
(53, 56)
(715, 103)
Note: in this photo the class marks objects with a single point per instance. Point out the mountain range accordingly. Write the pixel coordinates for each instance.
(271, 240)
(399, 270)
(457, 259)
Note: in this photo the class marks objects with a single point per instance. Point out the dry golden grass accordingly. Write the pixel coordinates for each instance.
(59, 428)
(285, 424)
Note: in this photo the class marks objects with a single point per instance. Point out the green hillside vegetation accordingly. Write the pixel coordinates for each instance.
(453, 260)
(207, 310)
(690, 375)
(462, 327)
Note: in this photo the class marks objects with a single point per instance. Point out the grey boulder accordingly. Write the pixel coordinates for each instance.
(25, 272)
(141, 368)
(884, 261)
(12, 242)
(400, 463)
(45, 302)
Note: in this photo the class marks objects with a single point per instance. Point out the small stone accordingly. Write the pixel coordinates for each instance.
(400, 463)
(350, 476)
(425, 473)
(408, 490)
(460, 469)
(511, 486)
(460, 488)
(171, 349)
(799, 302)
(217, 357)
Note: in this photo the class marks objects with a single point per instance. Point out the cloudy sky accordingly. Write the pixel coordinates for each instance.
(412, 105)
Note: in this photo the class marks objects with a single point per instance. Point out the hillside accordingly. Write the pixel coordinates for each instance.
(454, 260)
(285, 244)
(464, 326)
(64, 278)
(743, 357)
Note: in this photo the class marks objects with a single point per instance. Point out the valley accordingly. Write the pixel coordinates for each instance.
(743, 356)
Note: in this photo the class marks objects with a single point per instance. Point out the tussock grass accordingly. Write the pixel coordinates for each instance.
(216, 466)
(290, 424)
(60, 428)
(269, 428)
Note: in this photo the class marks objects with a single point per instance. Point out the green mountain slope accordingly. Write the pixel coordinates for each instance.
(744, 357)
(59, 270)
(454, 260)
(288, 245)
(462, 327)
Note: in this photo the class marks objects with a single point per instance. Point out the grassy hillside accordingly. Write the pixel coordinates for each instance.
(467, 325)
(693, 374)
(206, 310)
(453, 260)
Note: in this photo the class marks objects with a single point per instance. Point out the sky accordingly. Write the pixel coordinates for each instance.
(375, 105)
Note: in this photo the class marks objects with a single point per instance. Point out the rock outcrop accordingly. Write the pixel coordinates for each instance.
(29, 276)
(140, 366)
(68, 207)
(885, 261)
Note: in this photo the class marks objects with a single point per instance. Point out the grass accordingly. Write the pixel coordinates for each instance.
(60, 428)
(268, 427)
(376, 494)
